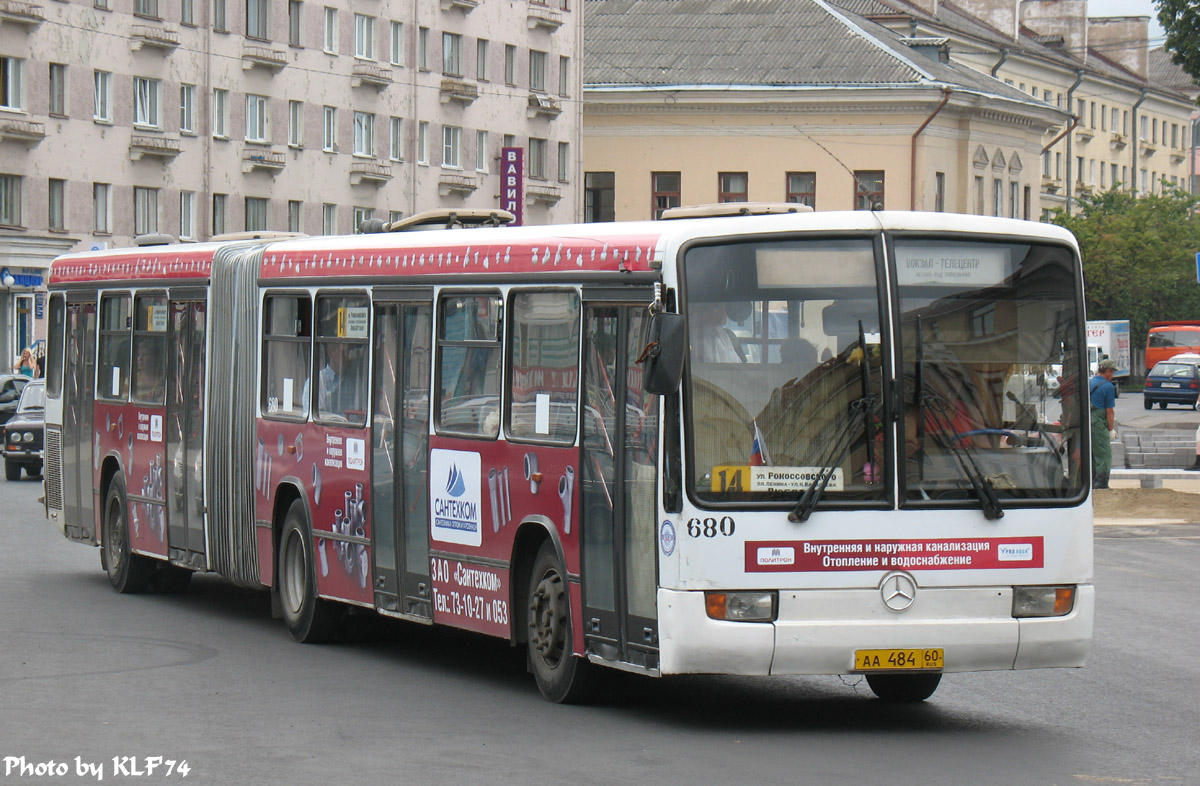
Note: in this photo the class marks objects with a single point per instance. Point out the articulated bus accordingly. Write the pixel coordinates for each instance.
(779, 444)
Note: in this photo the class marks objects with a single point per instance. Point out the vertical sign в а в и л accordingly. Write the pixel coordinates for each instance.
(512, 182)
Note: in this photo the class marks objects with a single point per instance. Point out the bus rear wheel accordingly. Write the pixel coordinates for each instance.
(128, 573)
(903, 687)
(561, 677)
(309, 619)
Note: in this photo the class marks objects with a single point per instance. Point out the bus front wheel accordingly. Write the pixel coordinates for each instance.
(308, 618)
(128, 573)
(903, 687)
(561, 677)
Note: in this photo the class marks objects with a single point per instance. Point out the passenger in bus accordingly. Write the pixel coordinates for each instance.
(713, 342)
(333, 394)
(147, 374)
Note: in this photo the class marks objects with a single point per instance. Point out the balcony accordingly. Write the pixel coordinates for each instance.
(141, 146)
(1082, 189)
(29, 132)
(370, 75)
(1051, 185)
(263, 57)
(466, 6)
(1084, 135)
(1178, 156)
(547, 194)
(1147, 149)
(1117, 141)
(457, 185)
(20, 13)
(542, 104)
(458, 90)
(153, 37)
(543, 17)
(369, 172)
(262, 159)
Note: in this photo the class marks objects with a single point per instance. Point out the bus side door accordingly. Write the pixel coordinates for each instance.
(185, 431)
(79, 375)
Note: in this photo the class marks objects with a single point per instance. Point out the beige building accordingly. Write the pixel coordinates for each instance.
(201, 117)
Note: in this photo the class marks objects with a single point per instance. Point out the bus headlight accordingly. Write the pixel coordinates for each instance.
(1043, 601)
(758, 606)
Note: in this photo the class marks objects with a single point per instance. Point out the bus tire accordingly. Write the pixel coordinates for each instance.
(561, 677)
(903, 687)
(171, 579)
(309, 619)
(128, 573)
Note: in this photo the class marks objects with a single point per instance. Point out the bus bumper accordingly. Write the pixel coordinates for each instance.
(818, 631)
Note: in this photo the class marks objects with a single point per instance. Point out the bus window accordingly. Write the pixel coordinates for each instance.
(342, 333)
(113, 382)
(469, 365)
(287, 331)
(544, 362)
(56, 329)
(149, 348)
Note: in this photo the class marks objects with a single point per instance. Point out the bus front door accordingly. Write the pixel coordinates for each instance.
(185, 433)
(400, 462)
(79, 370)
(618, 471)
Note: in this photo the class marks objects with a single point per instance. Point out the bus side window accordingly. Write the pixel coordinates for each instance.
(115, 324)
(149, 349)
(342, 333)
(544, 358)
(469, 365)
(287, 337)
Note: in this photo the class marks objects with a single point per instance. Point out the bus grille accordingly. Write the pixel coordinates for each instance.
(52, 469)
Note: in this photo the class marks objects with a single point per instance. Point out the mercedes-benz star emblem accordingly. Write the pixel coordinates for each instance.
(898, 591)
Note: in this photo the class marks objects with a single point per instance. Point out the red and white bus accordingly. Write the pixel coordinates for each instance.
(808, 443)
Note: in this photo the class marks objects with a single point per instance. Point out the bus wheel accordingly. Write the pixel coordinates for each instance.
(171, 579)
(127, 572)
(903, 687)
(308, 618)
(561, 677)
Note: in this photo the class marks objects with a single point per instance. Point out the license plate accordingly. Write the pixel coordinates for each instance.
(1170, 384)
(898, 660)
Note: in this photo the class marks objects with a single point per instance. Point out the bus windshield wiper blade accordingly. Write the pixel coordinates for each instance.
(839, 447)
(965, 456)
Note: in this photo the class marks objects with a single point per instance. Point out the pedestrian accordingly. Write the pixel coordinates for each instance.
(24, 364)
(1104, 398)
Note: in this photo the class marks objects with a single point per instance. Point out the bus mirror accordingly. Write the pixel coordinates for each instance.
(663, 354)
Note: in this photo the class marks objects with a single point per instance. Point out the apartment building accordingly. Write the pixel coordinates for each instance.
(196, 118)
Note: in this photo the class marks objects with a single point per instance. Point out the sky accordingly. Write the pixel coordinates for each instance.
(1130, 8)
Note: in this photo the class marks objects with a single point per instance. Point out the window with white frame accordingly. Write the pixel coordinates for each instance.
(12, 78)
(364, 37)
(295, 211)
(187, 109)
(329, 129)
(187, 12)
(452, 147)
(395, 215)
(102, 208)
(256, 214)
(564, 76)
(328, 219)
(102, 96)
(481, 60)
(536, 165)
(331, 30)
(564, 162)
(220, 23)
(364, 134)
(510, 64)
(295, 123)
(423, 142)
(187, 215)
(397, 44)
(396, 138)
(145, 102)
(58, 89)
(295, 17)
(256, 19)
(362, 214)
(145, 210)
(481, 152)
(423, 48)
(146, 8)
(256, 118)
(452, 54)
(537, 70)
(220, 213)
(220, 113)
(56, 208)
(10, 200)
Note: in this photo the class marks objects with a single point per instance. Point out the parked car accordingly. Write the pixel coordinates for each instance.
(1172, 382)
(23, 433)
(11, 386)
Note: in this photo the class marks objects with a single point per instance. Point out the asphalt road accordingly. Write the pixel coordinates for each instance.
(1131, 411)
(209, 678)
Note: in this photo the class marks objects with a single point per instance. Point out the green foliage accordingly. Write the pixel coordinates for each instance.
(1139, 256)
(1181, 19)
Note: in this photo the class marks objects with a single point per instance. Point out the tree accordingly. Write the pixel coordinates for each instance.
(1139, 256)
(1181, 19)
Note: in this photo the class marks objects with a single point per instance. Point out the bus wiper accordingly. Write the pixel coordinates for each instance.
(840, 446)
(964, 455)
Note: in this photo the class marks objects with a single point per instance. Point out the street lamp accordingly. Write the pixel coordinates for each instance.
(6, 278)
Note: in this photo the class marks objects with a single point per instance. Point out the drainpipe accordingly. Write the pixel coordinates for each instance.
(1134, 139)
(912, 171)
(1074, 122)
(1002, 61)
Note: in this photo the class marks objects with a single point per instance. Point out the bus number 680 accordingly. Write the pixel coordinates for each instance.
(710, 527)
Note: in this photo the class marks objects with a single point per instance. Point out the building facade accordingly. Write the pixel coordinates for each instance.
(197, 118)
